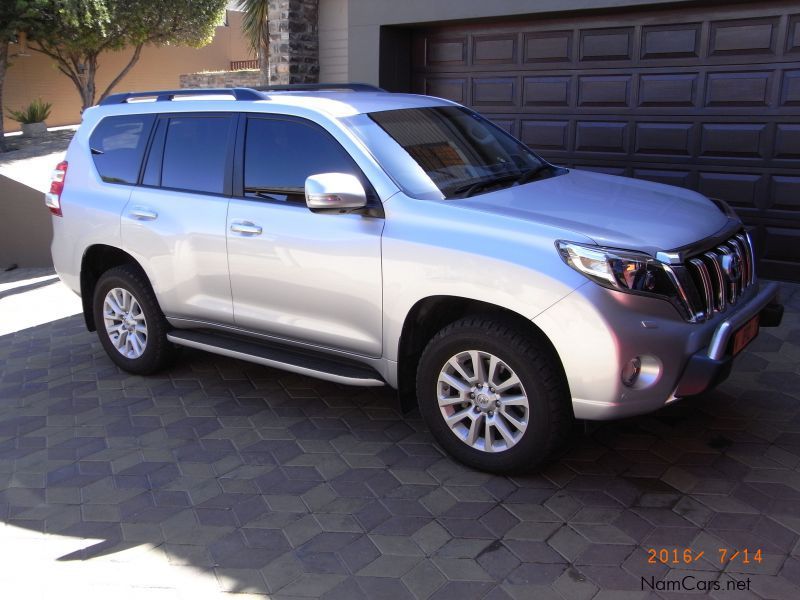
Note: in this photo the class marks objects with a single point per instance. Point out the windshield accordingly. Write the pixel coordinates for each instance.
(453, 152)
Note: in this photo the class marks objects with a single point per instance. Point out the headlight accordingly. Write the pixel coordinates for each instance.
(622, 270)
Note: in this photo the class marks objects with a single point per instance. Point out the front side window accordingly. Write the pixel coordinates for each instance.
(196, 153)
(117, 145)
(280, 154)
(454, 152)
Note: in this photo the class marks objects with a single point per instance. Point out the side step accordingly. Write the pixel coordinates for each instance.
(279, 357)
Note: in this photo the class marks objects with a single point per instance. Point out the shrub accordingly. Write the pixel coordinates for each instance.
(35, 112)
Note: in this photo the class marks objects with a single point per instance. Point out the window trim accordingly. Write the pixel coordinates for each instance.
(374, 204)
(149, 120)
(227, 182)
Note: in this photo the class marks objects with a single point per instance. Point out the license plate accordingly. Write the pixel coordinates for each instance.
(745, 335)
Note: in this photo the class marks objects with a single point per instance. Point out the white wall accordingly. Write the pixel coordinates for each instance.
(333, 42)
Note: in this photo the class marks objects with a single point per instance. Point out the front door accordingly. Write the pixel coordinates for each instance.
(297, 275)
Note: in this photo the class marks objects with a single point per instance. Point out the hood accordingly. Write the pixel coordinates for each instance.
(617, 212)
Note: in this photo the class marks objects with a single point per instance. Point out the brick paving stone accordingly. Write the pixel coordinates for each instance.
(423, 579)
(271, 483)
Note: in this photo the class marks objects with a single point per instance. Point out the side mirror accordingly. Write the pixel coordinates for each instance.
(334, 192)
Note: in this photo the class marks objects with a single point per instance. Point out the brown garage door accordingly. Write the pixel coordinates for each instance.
(706, 98)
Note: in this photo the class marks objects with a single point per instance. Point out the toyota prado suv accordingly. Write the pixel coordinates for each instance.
(371, 239)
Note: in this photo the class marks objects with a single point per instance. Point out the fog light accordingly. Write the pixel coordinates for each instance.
(630, 372)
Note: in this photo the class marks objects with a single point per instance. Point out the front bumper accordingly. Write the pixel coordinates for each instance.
(711, 366)
(596, 332)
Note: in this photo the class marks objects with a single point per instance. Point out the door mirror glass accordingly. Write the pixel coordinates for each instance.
(334, 192)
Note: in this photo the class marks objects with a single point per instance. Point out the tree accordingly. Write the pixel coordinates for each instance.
(255, 25)
(79, 31)
(16, 17)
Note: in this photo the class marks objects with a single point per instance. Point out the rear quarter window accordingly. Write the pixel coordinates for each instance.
(117, 146)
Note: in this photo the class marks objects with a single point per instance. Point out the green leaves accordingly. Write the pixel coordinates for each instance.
(75, 33)
(36, 112)
(21, 15)
(96, 25)
(254, 23)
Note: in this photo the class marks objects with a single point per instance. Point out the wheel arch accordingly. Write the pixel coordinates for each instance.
(429, 315)
(96, 260)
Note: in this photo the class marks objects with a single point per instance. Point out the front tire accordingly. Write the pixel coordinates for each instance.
(130, 324)
(494, 398)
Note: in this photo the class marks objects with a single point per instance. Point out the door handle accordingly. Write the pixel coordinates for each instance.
(142, 213)
(245, 228)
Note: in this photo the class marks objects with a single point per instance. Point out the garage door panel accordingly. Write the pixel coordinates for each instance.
(606, 44)
(547, 47)
(786, 194)
(552, 136)
(452, 88)
(706, 98)
(739, 89)
(787, 141)
(668, 90)
(446, 52)
(790, 89)
(672, 139)
(494, 49)
(604, 90)
(494, 91)
(670, 177)
(671, 41)
(780, 244)
(601, 137)
(547, 91)
(733, 140)
(744, 191)
(608, 170)
(793, 37)
(746, 37)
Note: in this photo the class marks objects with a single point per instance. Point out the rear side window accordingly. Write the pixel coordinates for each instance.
(280, 154)
(117, 145)
(197, 153)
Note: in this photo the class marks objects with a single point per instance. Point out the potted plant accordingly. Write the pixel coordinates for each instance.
(32, 118)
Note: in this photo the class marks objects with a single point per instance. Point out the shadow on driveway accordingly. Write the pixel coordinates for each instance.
(270, 483)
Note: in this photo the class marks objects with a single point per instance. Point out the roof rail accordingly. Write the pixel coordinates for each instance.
(166, 95)
(312, 87)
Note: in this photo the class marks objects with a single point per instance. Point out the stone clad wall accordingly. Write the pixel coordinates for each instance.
(293, 50)
(222, 79)
(293, 41)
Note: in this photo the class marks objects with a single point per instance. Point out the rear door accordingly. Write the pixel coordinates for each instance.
(174, 222)
(297, 275)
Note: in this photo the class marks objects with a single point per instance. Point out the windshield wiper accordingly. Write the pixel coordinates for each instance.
(532, 174)
(467, 190)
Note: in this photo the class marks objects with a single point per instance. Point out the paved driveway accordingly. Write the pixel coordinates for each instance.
(220, 477)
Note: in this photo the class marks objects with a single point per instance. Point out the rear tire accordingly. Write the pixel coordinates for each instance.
(508, 414)
(130, 324)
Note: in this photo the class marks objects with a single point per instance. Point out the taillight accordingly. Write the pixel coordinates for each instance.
(53, 198)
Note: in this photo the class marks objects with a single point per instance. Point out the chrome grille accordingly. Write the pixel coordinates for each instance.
(721, 275)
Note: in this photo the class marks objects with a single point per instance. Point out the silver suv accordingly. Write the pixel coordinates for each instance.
(372, 239)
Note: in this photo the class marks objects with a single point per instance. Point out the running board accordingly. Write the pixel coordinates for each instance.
(279, 357)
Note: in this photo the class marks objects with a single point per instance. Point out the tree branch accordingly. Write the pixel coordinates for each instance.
(62, 63)
(134, 59)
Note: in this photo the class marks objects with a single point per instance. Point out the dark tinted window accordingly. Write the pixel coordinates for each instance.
(118, 145)
(279, 155)
(196, 153)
